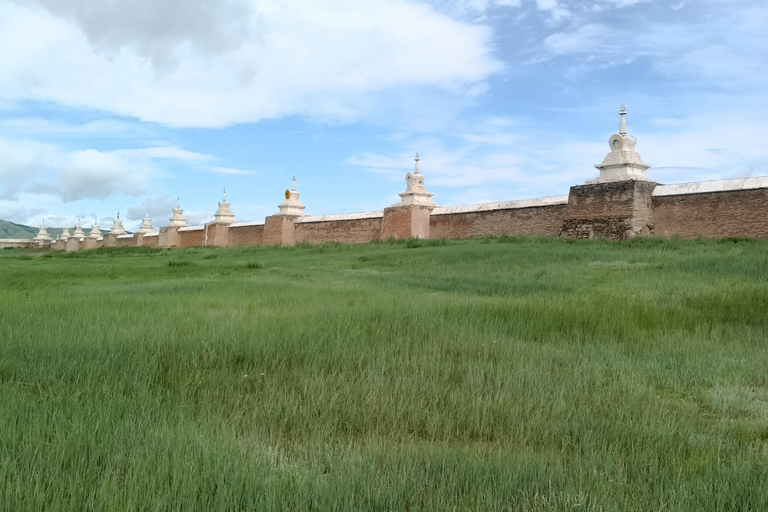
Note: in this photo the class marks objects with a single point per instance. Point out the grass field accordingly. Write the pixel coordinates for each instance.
(494, 374)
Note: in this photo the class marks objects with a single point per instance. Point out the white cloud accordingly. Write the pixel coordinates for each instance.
(35, 167)
(555, 9)
(592, 37)
(165, 152)
(215, 63)
(727, 50)
(229, 170)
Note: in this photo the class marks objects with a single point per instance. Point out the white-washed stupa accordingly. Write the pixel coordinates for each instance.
(415, 192)
(95, 232)
(117, 226)
(291, 205)
(78, 234)
(42, 237)
(178, 219)
(224, 215)
(146, 225)
(623, 162)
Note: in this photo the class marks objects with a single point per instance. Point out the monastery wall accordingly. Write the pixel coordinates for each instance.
(246, 233)
(191, 236)
(356, 228)
(714, 209)
(621, 203)
(535, 217)
(148, 240)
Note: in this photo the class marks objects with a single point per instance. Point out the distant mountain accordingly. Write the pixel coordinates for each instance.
(16, 231)
(21, 232)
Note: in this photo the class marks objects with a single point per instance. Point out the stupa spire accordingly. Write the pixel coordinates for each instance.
(416, 169)
(623, 114)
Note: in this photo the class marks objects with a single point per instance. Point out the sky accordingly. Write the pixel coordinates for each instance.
(109, 106)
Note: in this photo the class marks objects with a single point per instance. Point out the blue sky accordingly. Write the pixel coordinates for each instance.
(108, 106)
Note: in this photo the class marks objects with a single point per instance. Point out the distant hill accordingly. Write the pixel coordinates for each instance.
(16, 231)
(21, 232)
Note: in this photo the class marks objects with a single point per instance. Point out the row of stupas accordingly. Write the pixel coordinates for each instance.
(622, 163)
(43, 237)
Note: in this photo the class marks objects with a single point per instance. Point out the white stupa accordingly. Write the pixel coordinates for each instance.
(95, 232)
(224, 215)
(117, 226)
(42, 236)
(146, 225)
(415, 192)
(178, 219)
(64, 236)
(622, 163)
(291, 205)
(78, 234)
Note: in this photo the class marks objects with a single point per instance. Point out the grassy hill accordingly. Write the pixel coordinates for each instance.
(16, 231)
(495, 374)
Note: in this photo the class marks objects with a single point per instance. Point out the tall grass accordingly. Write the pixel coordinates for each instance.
(492, 374)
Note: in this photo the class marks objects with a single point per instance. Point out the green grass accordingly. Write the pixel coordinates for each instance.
(492, 374)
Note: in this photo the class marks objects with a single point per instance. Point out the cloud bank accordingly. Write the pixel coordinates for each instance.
(214, 63)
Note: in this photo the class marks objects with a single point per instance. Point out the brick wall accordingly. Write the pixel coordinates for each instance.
(614, 210)
(734, 213)
(216, 235)
(352, 231)
(192, 238)
(147, 241)
(279, 230)
(534, 221)
(246, 235)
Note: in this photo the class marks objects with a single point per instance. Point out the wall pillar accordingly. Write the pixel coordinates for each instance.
(216, 234)
(406, 222)
(110, 240)
(169, 237)
(615, 210)
(73, 244)
(280, 230)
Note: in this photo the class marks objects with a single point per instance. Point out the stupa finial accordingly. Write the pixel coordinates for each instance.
(178, 201)
(623, 114)
(416, 169)
(294, 184)
(225, 195)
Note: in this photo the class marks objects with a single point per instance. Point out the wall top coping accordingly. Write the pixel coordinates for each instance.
(192, 228)
(702, 187)
(245, 224)
(125, 236)
(146, 235)
(340, 216)
(504, 205)
(100, 239)
(15, 240)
